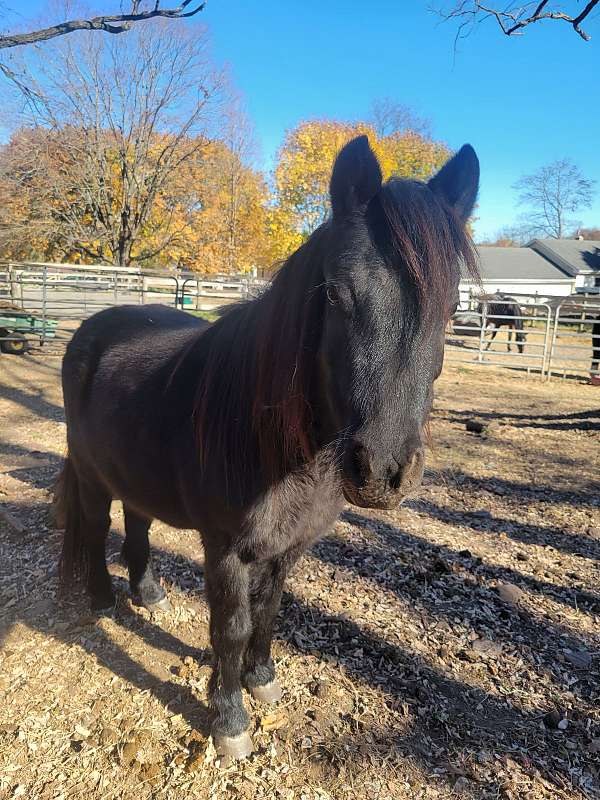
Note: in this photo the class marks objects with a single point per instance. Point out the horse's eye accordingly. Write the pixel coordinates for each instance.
(332, 295)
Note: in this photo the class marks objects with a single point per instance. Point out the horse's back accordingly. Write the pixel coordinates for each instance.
(123, 342)
(124, 420)
(132, 326)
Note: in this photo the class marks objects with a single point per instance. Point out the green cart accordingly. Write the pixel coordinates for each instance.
(18, 328)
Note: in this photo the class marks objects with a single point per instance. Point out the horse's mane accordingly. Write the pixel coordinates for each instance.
(253, 404)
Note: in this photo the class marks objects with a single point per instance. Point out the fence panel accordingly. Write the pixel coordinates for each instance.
(44, 303)
(502, 334)
(575, 344)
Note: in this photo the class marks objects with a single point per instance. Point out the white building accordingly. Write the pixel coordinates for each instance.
(544, 268)
(579, 258)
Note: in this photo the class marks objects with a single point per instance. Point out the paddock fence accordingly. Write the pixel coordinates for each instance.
(552, 337)
(43, 304)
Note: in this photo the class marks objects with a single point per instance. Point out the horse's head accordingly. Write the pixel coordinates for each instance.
(392, 256)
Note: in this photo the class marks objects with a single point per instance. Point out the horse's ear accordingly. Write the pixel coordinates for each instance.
(458, 181)
(356, 178)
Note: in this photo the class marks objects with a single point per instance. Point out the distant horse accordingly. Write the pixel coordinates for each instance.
(254, 429)
(503, 310)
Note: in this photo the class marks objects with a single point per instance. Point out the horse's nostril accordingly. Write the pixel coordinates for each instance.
(396, 480)
(409, 475)
(361, 463)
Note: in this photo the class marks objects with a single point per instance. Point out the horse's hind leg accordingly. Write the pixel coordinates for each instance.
(95, 525)
(509, 339)
(136, 551)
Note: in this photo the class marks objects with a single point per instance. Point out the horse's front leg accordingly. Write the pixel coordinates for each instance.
(228, 592)
(266, 587)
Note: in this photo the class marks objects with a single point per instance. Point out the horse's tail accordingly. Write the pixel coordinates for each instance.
(73, 563)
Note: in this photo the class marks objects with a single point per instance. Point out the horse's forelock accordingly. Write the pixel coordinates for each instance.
(428, 240)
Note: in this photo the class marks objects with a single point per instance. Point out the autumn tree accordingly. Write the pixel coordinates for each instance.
(499, 241)
(114, 125)
(223, 206)
(551, 194)
(245, 194)
(304, 163)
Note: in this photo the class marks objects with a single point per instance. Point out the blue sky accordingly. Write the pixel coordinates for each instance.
(521, 102)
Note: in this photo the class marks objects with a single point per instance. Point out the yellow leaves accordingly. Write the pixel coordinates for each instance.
(275, 721)
(306, 158)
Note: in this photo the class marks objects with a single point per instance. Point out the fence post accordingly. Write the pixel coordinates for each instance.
(44, 301)
(546, 337)
(482, 332)
(12, 284)
(554, 337)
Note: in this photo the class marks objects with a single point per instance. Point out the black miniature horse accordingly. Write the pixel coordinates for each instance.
(504, 310)
(254, 429)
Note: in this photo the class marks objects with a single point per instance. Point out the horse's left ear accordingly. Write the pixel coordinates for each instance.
(356, 178)
(458, 181)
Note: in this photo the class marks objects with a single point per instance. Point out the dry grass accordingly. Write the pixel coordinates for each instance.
(406, 674)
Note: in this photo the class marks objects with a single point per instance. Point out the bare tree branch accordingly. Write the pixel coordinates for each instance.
(513, 19)
(115, 23)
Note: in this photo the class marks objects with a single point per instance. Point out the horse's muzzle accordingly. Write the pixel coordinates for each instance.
(364, 487)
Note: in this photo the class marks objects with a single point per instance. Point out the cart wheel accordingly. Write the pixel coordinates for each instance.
(17, 345)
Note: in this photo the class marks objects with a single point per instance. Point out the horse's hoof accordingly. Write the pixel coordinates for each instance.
(103, 605)
(162, 605)
(102, 609)
(237, 747)
(268, 693)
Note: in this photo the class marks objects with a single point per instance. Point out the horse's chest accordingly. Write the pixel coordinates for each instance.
(292, 518)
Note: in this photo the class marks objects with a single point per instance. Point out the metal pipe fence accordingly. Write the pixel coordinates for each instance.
(556, 337)
(42, 305)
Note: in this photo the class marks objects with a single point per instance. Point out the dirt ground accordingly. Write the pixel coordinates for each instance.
(450, 648)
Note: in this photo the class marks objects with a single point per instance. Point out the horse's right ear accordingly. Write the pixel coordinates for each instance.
(458, 181)
(356, 178)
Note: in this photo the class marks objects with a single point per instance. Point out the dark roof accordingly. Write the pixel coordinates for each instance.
(571, 255)
(516, 263)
